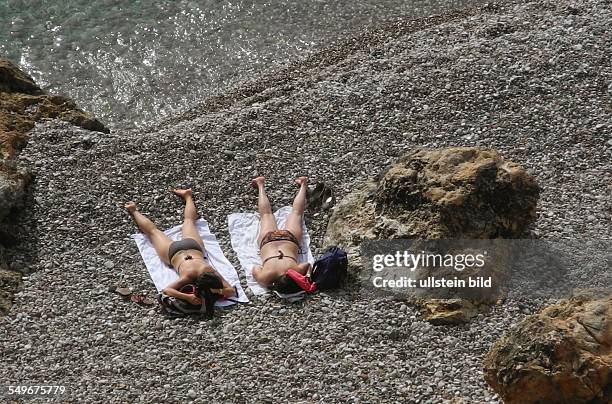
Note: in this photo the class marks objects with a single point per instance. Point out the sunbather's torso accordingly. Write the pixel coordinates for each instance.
(191, 267)
(278, 257)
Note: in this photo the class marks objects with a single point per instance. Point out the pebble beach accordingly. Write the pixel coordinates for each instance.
(532, 80)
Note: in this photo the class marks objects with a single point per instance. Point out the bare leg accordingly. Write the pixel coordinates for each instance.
(160, 241)
(267, 222)
(190, 216)
(294, 219)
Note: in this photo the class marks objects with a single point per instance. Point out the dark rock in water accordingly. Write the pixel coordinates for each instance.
(22, 103)
(560, 355)
(14, 80)
(434, 194)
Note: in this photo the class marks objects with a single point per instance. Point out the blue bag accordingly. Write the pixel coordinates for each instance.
(330, 270)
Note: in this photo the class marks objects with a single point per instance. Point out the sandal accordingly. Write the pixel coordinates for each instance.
(142, 300)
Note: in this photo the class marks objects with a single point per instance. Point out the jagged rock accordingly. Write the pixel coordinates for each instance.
(452, 193)
(14, 80)
(22, 103)
(560, 355)
(458, 192)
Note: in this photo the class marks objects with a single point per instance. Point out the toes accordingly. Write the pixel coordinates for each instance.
(258, 180)
(182, 192)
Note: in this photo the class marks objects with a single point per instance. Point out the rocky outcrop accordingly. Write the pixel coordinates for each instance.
(22, 104)
(13, 80)
(458, 192)
(561, 355)
(452, 193)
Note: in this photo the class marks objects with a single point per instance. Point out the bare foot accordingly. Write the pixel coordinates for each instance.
(183, 193)
(259, 181)
(302, 181)
(130, 207)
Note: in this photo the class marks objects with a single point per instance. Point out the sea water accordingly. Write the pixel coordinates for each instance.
(132, 62)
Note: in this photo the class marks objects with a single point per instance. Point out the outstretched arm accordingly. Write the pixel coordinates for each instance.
(173, 290)
(228, 290)
(259, 276)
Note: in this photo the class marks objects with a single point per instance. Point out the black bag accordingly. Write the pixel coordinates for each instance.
(330, 270)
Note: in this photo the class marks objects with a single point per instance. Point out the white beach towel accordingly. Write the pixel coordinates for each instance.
(244, 231)
(162, 275)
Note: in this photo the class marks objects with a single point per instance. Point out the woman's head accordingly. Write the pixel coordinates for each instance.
(206, 283)
(284, 284)
(209, 280)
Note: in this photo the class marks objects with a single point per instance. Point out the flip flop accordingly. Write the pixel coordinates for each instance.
(142, 300)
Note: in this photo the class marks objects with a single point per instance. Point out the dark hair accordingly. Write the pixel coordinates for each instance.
(205, 283)
(284, 284)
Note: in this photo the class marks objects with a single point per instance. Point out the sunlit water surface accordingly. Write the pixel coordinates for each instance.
(133, 62)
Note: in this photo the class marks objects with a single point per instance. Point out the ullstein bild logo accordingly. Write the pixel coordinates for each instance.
(432, 282)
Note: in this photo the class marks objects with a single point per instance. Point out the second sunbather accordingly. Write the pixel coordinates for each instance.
(279, 248)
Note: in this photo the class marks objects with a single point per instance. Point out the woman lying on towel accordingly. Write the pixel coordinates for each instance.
(187, 256)
(279, 248)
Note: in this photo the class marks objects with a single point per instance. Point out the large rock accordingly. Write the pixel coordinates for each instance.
(561, 355)
(22, 104)
(458, 192)
(452, 193)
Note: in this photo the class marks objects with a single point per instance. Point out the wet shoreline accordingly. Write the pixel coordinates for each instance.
(134, 63)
